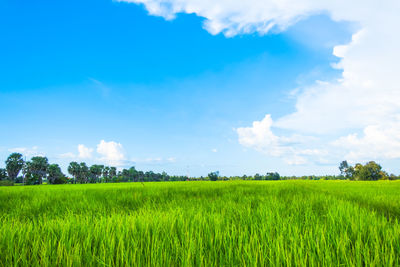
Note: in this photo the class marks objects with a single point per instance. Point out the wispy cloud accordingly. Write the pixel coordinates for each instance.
(155, 160)
(27, 151)
(101, 87)
(68, 155)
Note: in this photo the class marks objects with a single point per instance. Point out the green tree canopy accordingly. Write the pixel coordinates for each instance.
(3, 174)
(14, 165)
(272, 176)
(95, 173)
(37, 168)
(106, 171)
(346, 170)
(55, 175)
(113, 172)
(83, 176)
(213, 176)
(369, 172)
(74, 169)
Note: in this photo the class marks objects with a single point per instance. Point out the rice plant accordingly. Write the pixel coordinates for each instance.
(235, 223)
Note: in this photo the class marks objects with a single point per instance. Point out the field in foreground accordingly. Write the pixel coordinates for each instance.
(202, 223)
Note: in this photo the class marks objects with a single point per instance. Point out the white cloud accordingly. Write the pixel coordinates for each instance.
(366, 98)
(27, 151)
(84, 152)
(291, 148)
(108, 152)
(233, 17)
(111, 152)
(214, 150)
(153, 160)
(260, 137)
(296, 160)
(171, 159)
(377, 142)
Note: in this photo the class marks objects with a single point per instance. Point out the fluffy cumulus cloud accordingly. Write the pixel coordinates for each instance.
(85, 152)
(261, 137)
(294, 148)
(366, 99)
(111, 152)
(377, 142)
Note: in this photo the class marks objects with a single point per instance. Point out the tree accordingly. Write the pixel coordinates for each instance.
(106, 171)
(213, 176)
(164, 176)
(83, 176)
(257, 177)
(346, 170)
(80, 172)
(368, 172)
(150, 176)
(3, 174)
(140, 176)
(74, 170)
(37, 168)
(55, 175)
(133, 174)
(125, 173)
(95, 173)
(343, 166)
(113, 172)
(272, 176)
(383, 175)
(14, 165)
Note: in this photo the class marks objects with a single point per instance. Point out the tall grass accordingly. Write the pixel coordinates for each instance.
(251, 223)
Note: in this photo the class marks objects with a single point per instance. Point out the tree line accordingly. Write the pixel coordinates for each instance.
(370, 171)
(38, 169)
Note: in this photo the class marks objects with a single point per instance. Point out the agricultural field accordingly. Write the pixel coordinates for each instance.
(231, 223)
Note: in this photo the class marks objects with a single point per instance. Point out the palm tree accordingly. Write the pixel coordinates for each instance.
(74, 170)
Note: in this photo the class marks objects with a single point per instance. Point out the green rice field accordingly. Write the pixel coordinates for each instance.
(232, 223)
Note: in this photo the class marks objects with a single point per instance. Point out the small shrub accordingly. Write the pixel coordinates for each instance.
(6, 183)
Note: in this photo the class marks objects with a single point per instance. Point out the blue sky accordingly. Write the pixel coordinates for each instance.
(162, 94)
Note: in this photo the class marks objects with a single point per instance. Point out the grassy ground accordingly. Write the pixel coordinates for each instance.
(254, 223)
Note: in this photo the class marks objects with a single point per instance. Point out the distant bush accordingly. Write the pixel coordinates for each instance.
(60, 180)
(213, 176)
(6, 183)
(19, 180)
